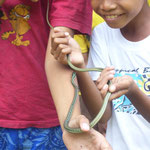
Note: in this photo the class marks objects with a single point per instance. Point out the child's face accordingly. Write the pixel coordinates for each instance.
(118, 13)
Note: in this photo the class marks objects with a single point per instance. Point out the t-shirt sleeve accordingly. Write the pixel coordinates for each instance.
(96, 20)
(81, 39)
(75, 14)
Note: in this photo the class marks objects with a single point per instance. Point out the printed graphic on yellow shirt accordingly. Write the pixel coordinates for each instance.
(18, 17)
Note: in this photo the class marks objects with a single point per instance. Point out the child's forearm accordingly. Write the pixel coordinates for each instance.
(140, 100)
(91, 96)
(59, 80)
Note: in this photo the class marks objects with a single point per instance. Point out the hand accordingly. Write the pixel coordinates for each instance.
(106, 75)
(120, 86)
(62, 45)
(90, 139)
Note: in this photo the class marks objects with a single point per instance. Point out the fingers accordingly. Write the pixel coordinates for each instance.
(82, 122)
(63, 44)
(60, 45)
(106, 75)
(62, 48)
(58, 37)
(62, 57)
(120, 86)
(99, 138)
(120, 83)
(104, 90)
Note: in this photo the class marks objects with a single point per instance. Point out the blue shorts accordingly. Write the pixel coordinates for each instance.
(31, 139)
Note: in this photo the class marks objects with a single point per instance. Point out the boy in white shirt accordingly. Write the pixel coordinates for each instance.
(121, 41)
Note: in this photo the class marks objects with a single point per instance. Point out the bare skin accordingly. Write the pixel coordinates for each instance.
(124, 85)
(120, 85)
(117, 14)
(128, 16)
(90, 139)
(67, 45)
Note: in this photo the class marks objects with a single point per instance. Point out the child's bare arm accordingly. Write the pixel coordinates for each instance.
(126, 85)
(91, 95)
(59, 77)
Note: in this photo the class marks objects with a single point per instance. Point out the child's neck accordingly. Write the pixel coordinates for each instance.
(139, 28)
(136, 33)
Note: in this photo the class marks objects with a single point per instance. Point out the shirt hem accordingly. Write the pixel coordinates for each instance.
(28, 124)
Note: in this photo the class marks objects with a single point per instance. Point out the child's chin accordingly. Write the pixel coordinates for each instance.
(115, 25)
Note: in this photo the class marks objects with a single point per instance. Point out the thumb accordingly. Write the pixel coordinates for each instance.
(80, 121)
(112, 88)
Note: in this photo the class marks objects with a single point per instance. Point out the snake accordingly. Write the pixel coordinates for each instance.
(69, 115)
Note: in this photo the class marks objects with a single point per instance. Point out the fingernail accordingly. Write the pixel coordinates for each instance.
(112, 71)
(66, 33)
(111, 75)
(112, 88)
(105, 86)
(85, 126)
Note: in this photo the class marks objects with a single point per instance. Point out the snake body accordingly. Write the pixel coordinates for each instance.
(102, 110)
(105, 102)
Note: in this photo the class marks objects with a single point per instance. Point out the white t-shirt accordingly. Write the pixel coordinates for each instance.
(127, 129)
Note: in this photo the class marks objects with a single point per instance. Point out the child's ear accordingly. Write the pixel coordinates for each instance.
(148, 1)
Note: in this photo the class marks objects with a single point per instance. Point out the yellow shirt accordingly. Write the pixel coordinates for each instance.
(148, 2)
(83, 40)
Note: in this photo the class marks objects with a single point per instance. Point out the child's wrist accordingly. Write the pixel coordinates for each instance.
(132, 89)
(81, 66)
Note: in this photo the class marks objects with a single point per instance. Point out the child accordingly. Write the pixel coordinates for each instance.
(84, 42)
(28, 116)
(121, 41)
